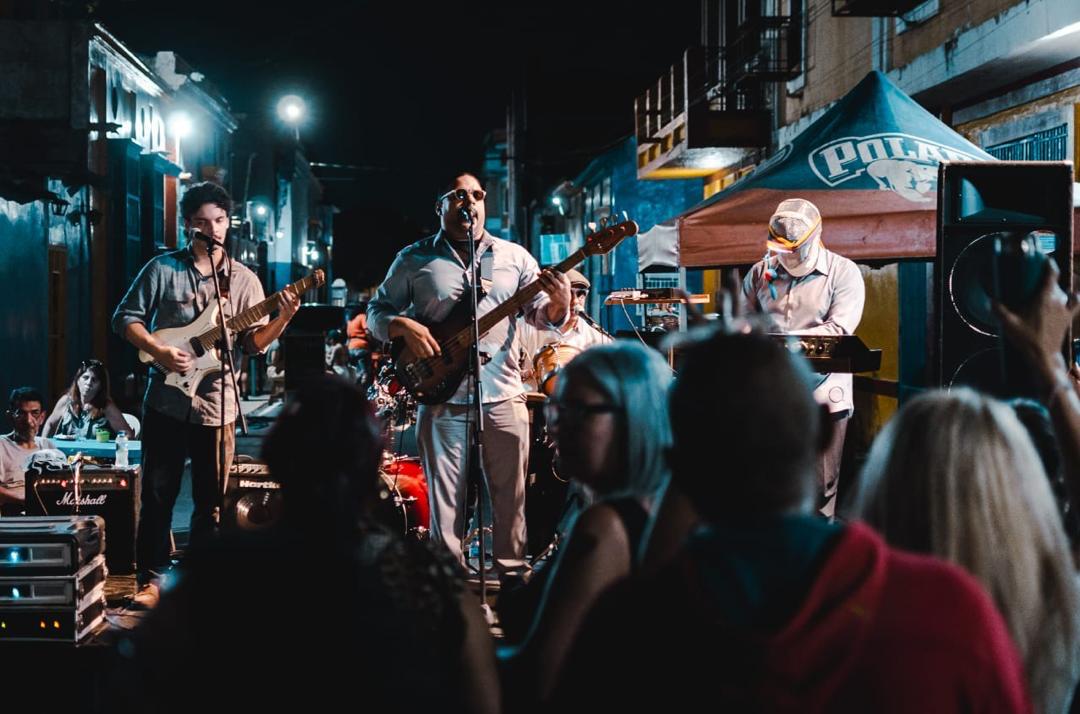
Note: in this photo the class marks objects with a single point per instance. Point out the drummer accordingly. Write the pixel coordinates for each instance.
(576, 333)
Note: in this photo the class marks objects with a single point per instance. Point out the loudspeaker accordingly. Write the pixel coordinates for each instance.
(252, 498)
(998, 223)
(303, 345)
(112, 494)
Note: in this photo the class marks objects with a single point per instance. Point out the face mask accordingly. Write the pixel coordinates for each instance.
(801, 261)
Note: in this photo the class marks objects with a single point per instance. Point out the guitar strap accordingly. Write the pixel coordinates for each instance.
(487, 270)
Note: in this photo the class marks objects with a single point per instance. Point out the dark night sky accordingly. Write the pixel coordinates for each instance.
(411, 88)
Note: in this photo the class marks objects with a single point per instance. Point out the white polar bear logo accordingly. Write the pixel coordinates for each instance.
(911, 180)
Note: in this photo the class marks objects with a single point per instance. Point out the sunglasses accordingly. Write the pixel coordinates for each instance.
(574, 412)
(461, 194)
(90, 363)
(579, 292)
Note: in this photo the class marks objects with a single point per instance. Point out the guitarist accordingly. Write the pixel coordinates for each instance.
(170, 291)
(424, 283)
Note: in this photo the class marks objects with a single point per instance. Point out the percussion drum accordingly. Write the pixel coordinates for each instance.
(403, 493)
(549, 361)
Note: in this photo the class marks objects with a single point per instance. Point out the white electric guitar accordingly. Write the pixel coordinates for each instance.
(201, 336)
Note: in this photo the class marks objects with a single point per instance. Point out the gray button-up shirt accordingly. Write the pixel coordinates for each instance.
(427, 279)
(171, 292)
(826, 301)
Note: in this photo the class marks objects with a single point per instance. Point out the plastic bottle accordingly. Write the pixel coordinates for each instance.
(121, 460)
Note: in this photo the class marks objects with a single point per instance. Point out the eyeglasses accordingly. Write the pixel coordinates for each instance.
(460, 194)
(32, 413)
(574, 412)
(579, 292)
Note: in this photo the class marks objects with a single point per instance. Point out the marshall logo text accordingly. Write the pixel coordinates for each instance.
(68, 499)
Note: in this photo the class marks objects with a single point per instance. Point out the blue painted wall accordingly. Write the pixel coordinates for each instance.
(646, 202)
(24, 298)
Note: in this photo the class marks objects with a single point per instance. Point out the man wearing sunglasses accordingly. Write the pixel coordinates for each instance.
(27, 414)
(807, 289)
(424, 284)
(577, 332)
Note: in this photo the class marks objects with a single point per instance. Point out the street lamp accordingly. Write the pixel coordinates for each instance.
(291, 110)
(181, 126)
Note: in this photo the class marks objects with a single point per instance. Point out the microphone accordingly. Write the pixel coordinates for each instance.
(196, 234)
(585, 316)
(466, 215)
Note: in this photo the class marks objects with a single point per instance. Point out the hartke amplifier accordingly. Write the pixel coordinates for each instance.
(110, 493)
(252, 498)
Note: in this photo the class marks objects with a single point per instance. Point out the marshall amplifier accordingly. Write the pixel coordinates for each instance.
(110, 493)
(252, 499)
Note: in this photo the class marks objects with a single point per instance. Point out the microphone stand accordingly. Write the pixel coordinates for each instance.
(594, 324)
(474, 459)
(226, 347)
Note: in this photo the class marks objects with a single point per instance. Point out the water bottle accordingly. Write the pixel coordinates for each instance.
(121, 460)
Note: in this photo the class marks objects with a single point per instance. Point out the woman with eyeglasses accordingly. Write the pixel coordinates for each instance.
(609, 417)
(87, 406)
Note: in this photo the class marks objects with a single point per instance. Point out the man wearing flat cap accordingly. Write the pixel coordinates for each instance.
(806, 289)
(576, 332)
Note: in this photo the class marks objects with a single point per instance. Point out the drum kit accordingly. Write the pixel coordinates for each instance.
(403, 487)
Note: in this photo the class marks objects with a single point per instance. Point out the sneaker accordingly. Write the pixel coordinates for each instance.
(146, 598)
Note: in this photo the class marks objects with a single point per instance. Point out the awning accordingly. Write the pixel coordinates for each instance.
(870, 165)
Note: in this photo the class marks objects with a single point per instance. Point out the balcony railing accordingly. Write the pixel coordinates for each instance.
(765, 49)
(873, 8)
(701, 78)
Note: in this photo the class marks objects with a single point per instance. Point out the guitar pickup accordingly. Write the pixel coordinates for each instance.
(484, 358)
(196, 347)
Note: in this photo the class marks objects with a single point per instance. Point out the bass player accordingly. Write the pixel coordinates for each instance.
(171, 291)
(423, 285)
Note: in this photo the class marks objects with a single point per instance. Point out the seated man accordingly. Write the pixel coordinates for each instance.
(27, 414)
(769, 608)
(578, 333)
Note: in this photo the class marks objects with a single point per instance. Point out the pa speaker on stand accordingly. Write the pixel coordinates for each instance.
(998, 225)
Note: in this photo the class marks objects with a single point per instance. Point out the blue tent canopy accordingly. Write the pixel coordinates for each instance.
(870, 163)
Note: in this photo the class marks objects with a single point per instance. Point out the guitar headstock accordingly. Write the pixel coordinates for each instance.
(609, 235)
(318, 276)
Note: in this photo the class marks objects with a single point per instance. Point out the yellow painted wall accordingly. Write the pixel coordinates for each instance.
(880, 329)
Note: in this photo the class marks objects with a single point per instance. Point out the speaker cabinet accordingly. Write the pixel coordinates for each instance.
(998, 224)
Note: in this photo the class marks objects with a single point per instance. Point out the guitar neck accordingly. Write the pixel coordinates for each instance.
(520, 298)
(257, 312)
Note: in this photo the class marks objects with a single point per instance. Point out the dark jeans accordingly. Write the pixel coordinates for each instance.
(166, 444)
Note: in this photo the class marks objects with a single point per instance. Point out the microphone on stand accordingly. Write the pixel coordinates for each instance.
(596, 325)
(466, 214)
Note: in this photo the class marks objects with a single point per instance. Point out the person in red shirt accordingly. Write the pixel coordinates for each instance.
(768, 607)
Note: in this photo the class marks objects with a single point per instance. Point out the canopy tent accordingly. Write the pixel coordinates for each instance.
(870, 165)
(658, 247)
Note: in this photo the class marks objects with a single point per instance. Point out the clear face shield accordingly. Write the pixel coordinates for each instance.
(795, 236)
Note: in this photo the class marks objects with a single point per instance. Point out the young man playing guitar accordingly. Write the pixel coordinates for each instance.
(424, 284)
(171, 291)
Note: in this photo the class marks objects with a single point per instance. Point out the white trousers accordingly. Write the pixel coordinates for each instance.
(442, 433)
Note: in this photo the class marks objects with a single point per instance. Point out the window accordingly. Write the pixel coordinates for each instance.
(916, 17)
